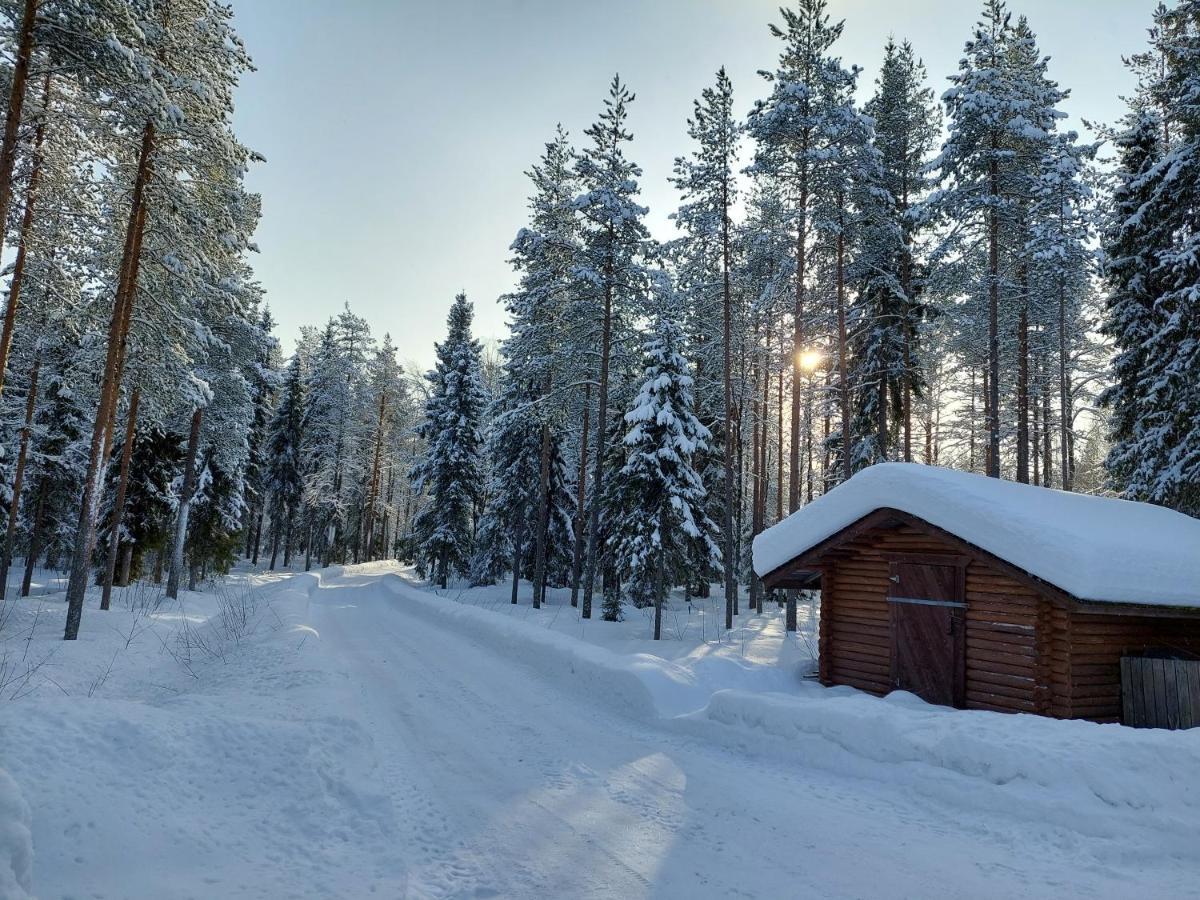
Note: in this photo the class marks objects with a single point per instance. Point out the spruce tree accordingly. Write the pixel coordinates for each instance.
(661, 513)
(1153, 271)
(887, 332)
(284, 467)
(450, 471)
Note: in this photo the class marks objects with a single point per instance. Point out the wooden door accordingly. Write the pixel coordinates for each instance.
(928, 627)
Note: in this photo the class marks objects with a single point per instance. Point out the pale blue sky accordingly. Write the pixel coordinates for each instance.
(396, 132)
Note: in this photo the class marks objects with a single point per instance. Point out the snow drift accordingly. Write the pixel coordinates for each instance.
(16, 841)
(1082, 776)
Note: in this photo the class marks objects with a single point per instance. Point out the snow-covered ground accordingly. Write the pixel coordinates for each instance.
(350, 733)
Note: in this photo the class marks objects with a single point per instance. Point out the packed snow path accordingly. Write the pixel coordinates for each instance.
(373, 749)
(503, 785)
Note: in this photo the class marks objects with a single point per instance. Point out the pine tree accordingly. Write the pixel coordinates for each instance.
(450, 469)
(610, 266)
(707, 182)
(1002, 110)
(284, 467)
(661, 495)
(1061, 278)
(329, 402)
(887, 331)
(793, 129)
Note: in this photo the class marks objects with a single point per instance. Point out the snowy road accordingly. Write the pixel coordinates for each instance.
(366, 745)
(508, 786)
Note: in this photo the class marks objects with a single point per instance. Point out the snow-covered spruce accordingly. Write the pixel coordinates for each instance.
(661, 518)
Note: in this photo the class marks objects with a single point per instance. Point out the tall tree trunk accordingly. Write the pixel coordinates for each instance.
(987, 448)
(1065, 412)
(660, 588)
(517, 554)
(375, 476)
(287, 535)
(35, 538)
(258, 525)
(798, 344)
(14, 507)
(1047, 430)
(8, 158)
(843, 369)
(85, 534)
(543, 505)
(727, 378)
(971, 430)
(126, 564)
(1035, 422)
(1023, 395)
(185, 502)
(809, 463)
(581, 496)
(779, 446)
(906, 286)
(993, 388)
(601, 433)
(881, 422)
(276, 528)
(757, 500)
(118, 510)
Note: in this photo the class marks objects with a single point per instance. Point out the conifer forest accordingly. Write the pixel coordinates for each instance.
(859, 273)
(947, 268)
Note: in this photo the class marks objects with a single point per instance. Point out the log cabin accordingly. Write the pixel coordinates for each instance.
(978, 593)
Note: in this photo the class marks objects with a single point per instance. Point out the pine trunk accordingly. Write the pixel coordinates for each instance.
(258, 525)
(757, 501)
(543, 507)
(601, 433)
(85, 533)
(1047, 431)
(1065, 412)
(14, 506)
(843, 369)
(798, 344)
(118, 511)
(1023, 394)
(517, 553)
(126, 564)
(906, 286)
(185, 502)
(8, 157)
(35, 538)
(727, 353)
(993, 371)
(779, 447)
(372, 494)
(581, 497)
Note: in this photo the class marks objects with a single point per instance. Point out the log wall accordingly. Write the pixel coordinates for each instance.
(1096, 644)
(1025, 651)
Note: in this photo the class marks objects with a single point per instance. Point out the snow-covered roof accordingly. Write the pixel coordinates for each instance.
(1094, 548)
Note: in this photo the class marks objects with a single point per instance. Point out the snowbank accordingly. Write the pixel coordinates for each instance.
(1093, 778)
(1088, 778)
(1096, 548)
(16, 841)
